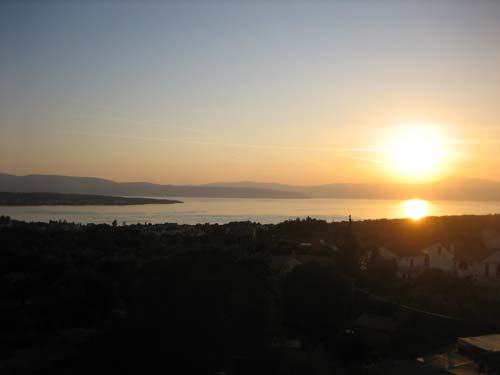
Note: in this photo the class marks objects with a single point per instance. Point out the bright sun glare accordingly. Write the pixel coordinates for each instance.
(416, 152)
(415, 209)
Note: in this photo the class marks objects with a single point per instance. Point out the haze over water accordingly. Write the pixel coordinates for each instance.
(266, 211)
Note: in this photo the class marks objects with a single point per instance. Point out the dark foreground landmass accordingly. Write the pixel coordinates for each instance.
(239, 298)
(57, 199)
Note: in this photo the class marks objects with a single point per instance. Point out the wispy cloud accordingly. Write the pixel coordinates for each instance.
(472, 141)
(232, 144)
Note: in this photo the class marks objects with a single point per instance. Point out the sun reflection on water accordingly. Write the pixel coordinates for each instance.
(415, 208)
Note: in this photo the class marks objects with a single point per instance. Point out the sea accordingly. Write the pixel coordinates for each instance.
(265, 211)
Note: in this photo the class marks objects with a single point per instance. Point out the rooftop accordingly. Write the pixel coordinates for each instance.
(487, 343)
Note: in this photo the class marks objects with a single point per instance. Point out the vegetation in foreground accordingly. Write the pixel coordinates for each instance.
(214, 299)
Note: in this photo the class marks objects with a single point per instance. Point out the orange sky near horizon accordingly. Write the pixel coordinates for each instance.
(291, 92)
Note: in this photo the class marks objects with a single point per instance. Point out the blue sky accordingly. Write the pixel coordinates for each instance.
(285, 91)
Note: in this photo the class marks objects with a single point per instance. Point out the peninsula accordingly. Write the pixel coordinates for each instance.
(58, 199)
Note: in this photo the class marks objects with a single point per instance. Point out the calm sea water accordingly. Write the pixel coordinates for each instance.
(223, 210)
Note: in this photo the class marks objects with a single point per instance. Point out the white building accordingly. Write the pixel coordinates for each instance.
(387, 254)
(435, 256)
(439, 256)
(491, 267)
(382, 252)
(411, 266)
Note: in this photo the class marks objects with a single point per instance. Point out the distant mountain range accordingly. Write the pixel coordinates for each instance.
(99, 186)
(456, 188)
(448, 189)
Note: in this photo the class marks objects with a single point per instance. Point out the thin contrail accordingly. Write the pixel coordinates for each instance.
(231, 144)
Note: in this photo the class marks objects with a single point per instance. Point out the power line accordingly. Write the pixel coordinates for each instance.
(409, 308)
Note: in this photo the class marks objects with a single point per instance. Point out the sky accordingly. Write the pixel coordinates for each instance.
(301, 92)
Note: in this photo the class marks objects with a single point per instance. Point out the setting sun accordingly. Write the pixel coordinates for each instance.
(416, 152)
(415, 209)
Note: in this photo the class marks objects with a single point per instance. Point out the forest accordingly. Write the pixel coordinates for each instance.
(239, 298)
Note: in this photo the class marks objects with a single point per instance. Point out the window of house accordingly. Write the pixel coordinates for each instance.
(463, 266)
(427, 260)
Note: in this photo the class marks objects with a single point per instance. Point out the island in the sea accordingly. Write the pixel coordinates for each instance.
(58, 199)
